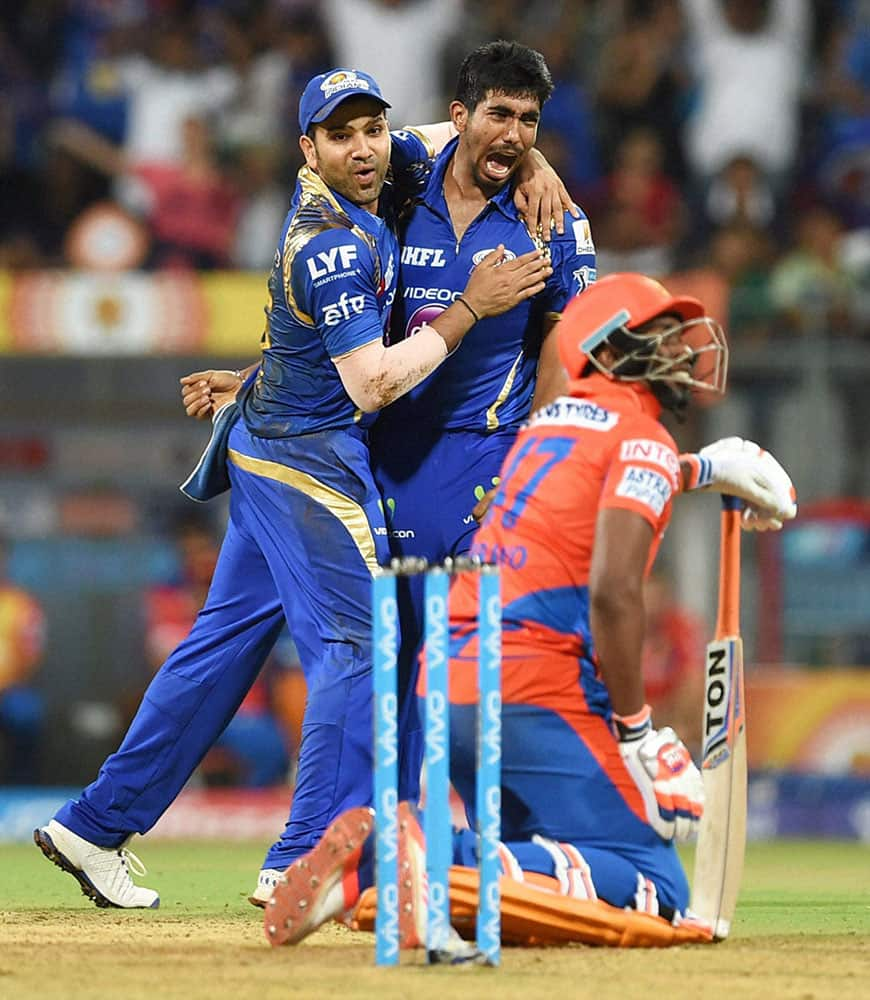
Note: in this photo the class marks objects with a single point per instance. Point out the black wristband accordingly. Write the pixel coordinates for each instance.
(459, 298)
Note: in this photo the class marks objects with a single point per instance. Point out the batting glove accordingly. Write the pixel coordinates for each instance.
(662, 769)
(743, 469)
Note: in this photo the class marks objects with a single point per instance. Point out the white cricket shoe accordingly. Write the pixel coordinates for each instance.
(102, 872)
(266, 882)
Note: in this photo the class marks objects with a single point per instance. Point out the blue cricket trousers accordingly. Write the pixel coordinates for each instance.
(304, 535)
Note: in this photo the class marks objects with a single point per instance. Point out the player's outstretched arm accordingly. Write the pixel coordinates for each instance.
(374, 375)
(204, 393)
(743, 469)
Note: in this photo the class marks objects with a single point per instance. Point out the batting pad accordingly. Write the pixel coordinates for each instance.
(535, 914)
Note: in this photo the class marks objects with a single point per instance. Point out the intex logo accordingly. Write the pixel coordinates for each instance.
(330, 261)
(423, 257)
(347, 305)
(651, 451)
(482, 254)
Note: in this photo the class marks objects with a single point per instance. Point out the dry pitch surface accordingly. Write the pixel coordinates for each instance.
(802, 932)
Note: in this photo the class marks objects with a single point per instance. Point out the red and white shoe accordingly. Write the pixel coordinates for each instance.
(321, 885)
(413, 883)
(414, 897)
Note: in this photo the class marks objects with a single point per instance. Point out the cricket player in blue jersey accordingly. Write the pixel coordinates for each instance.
(438, 449)
(306, 529)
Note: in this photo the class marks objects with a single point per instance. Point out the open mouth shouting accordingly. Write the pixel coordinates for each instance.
(498, 164)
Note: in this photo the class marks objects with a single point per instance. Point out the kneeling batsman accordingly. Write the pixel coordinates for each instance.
(578, 866)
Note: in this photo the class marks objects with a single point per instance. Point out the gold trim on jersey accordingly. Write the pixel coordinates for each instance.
(430, 149)
(491, 414)
(318, 211)
(348, 511)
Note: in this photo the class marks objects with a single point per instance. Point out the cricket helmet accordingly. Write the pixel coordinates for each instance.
(613, 311)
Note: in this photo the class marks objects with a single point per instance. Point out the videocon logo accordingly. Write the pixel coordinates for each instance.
(481, 491)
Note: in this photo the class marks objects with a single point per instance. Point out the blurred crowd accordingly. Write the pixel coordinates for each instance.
(732, 134)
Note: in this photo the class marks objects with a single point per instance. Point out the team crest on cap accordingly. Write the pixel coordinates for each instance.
(343, 81)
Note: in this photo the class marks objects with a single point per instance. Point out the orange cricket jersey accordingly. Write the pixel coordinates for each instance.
(604, 448)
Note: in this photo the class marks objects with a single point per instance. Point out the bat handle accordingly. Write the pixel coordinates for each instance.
(728, 610)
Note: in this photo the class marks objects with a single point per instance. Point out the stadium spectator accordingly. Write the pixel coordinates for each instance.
(750, 55)
(842, 150)
(378, 34)
(742, 254)
(254, 749)
(22, 708)
(740, 193)
(192, 205)
(642, 80)
(639, 213)
(810, 287)
(259, 175)
(672, 662)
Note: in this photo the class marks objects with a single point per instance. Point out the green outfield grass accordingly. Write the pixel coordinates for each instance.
(802, 932)
(789, 887)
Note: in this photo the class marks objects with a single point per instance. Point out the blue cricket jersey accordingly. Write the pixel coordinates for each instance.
(487, 384)
(331, 289)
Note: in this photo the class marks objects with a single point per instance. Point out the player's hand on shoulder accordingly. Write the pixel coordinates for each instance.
(541, 198)
(743, 469)
(501, 281)
(663, 770)
(204, 393)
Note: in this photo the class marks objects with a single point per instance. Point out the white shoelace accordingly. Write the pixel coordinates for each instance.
(132, 862)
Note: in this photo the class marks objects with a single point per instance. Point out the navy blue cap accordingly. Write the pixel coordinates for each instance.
(324, 93)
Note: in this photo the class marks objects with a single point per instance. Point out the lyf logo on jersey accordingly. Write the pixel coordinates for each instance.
(483, 254)
(423, 257)
(347, 305)
(330, 261)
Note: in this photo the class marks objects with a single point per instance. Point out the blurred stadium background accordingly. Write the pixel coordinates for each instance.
(147, 152)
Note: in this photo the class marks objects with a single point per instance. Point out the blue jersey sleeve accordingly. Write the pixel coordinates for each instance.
(411, 159)
(573, 259)
(409, 147)
(332, 283)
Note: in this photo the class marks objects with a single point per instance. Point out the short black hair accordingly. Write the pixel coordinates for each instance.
(503, 68)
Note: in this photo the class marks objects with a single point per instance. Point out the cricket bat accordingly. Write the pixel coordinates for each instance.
(722, 832)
